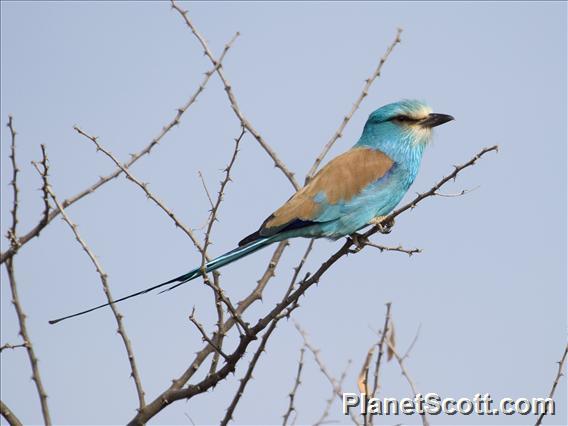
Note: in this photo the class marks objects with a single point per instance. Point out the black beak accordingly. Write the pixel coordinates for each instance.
(434, 120)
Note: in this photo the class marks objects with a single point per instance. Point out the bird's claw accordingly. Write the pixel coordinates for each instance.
(359, 240)
(384, 227)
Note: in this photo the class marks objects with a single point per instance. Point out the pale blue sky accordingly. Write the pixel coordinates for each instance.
(489, 289)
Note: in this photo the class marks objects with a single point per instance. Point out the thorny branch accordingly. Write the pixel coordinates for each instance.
(104, 280)
(248, 376)
(15, 245)
(297, 382)
(356, 105)
(329, 402)
(233, 100)
(9, 415)
(175, 392)
(385, 331)
(316, 353)
(36, 230)
(404, 372)
(559, 374)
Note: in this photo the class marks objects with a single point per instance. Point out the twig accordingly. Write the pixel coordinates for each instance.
(316, 353)
(14, 246)
(10, 346)
(248, 375)
(400, 249)
(329, 402)
(36, 230)
(404, 372)
(206, 190)
(204, 334)
(11, 235)
(26, 338)
(407, 353)
(104, 280)
(559, 374)
(177, 390)
(220, 335)
(144, 187)
(457, 194)
(297, 383)
(339, 132)
(233, 100)
(258, 353)
(381, 350)
(432, 191)
(44, 178)
(9, 415)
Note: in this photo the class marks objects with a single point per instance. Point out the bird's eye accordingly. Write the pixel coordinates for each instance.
(401, 118)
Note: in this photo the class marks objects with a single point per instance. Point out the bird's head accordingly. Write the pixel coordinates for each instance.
(408, 122)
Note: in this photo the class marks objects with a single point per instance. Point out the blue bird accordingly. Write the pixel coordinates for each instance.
(358, 188)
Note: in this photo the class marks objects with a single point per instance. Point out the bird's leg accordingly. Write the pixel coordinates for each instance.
(384, 227)
(359, 240)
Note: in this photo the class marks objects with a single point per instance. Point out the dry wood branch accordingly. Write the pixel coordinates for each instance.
(104, 280)
(404, 372)
(368, 83)
(10, 346)
(329, 402)
(212, 219)
(144, 187)
(9, 415)
(381, 345)
(248, 375)
(316, 353)
(559, 374)
(36, 377)
(258, 353)
(204, 334)
(176, 392)
(11, 235)
(44, 178)
(400, 249)
(233, 100)
(36, 230)
(435, 188)
(292, 394)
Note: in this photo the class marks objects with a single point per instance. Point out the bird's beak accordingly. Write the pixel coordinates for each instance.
(434, 120)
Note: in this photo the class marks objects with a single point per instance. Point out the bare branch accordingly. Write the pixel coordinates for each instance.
(248, 375)
(233, 100)
(10, 346)
(204, 334)
(400, 249)
(11, 235)
(404, 372)
(559, 374)
(316, 353)
(36, 230)
(104, 280)
(177, 391)
(144, 187)
(435, 188)
(297, 383)
(368, 83)
(44, 178)
(376, 384)
(329, 402)
(26, 338)
(9, 415)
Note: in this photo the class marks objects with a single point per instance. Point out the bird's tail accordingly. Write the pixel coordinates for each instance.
(213, 265)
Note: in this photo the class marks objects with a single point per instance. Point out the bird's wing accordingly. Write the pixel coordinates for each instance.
(340, 180)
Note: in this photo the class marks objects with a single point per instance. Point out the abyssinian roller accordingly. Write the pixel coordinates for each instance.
(355, 189)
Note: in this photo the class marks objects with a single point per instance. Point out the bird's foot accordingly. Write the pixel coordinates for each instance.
(384, 227)
(359, 240)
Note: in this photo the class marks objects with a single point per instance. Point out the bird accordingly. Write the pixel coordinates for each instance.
(355, 189)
